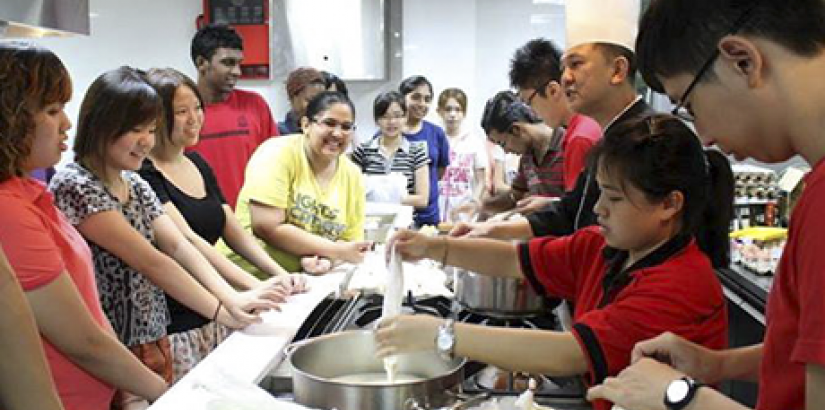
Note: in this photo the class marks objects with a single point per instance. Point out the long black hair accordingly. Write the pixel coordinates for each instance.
(659, 154)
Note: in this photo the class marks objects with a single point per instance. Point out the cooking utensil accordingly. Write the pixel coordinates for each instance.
(317, 361)
(496, 296)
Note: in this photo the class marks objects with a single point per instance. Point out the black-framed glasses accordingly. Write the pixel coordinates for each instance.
(345, 127)
(683, 109)
(529, 100)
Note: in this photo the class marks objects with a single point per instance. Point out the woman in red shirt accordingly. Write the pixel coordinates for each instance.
(646, 268)
(50, 259)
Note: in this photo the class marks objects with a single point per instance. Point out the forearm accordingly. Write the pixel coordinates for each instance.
(294, 240)
(179, 284)
(190, 259)
(503, 201)
(707, 398)
(245, 245)
(231, 272)
(518, 229)
(108, 360)
(539, 351)
(485, 256)
(415, 200)
(25, 381)
(741, 364)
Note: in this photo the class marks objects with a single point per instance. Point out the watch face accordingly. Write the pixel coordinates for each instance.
(677, 390)
(445, 342)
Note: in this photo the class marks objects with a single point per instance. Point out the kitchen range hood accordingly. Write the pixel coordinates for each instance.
(43, 18)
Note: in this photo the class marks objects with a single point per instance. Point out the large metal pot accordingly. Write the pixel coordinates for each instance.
(317, 361)
(496, 296)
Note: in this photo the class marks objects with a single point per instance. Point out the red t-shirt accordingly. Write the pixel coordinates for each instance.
(582, 134)
(674, 288)
(40, 244)
(795, 334)
(231, 132)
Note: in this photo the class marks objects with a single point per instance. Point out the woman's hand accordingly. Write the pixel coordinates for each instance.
(638, 387)
(687, 357)
(315, 265)
(353, 252)
(290, 284)
(244, 308)
(406, 333)
(411, 245)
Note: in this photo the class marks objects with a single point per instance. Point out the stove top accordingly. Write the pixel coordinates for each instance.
(361, 311)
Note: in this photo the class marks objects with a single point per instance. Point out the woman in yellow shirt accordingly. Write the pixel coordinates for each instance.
(302, 198)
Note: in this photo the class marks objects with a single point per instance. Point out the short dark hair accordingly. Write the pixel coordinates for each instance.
(326, 99)
(33, 77)
(411, 83)
(613, 51)
(383, 102)
(659, 154)
(678, 36)
(116, 102)
(505, 109)
(535, 64)
(331, 79)
(212, 37)
(166, 82)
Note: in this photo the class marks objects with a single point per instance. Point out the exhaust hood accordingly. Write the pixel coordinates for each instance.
(43, 18)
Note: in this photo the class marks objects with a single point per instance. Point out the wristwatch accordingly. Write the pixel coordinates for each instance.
(445, 339)
(680, 393)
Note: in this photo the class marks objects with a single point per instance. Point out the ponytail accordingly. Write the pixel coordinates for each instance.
(712, 234)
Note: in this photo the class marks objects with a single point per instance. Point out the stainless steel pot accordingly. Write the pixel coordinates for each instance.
(317, 361)
(496, 296)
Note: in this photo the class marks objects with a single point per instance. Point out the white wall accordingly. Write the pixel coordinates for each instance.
(456, 43)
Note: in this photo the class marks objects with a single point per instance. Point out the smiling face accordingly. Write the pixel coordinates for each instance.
(418, 102)
(48, 137)
(221, 72)
(329, 133)
(392, 122)
(129, 150)
(627, 219)
(188, 114)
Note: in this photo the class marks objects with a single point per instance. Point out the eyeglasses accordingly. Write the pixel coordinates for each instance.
(683, 109)
(391, 117)
(529, 100)
(345, 127)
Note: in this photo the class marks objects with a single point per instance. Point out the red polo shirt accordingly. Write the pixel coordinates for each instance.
(795, 334)
(674, 288)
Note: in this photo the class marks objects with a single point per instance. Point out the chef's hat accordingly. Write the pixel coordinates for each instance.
(603, 21)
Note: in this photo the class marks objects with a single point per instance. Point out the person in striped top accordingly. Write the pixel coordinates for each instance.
(390, 152)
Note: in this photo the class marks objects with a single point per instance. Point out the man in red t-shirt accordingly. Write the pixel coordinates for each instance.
(235, 121)
(748, 74)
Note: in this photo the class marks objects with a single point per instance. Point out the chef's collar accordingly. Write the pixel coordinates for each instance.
(621, 114)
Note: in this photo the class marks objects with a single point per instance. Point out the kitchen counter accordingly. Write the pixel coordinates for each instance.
(746, 289)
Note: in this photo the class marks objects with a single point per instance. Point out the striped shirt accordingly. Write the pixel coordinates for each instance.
(543, 176)
(409, 157)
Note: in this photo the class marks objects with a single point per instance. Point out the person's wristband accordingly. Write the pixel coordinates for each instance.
(217, 311)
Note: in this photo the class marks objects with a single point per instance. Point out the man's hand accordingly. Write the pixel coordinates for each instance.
(532, 204)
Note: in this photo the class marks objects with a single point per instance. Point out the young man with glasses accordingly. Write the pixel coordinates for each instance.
(535, 72)
(235, 122)
(748, 74)
(597, 78)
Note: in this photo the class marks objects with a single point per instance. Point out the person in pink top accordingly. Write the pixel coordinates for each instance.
(51, 260)
(236, 122)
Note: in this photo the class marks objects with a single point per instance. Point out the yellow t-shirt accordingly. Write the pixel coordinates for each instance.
(279, 175)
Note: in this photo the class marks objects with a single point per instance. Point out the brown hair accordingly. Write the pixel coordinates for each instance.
(116, 102)
(32, 77)
(166, 82)
(456, 93)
